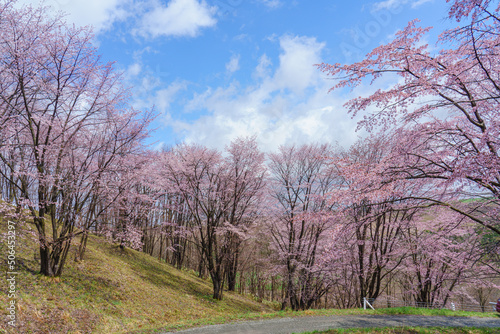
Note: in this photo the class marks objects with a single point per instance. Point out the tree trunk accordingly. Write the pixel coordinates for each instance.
(202, 268)
(83, 246)
(231, 275)
(218, 285)
(45, 267)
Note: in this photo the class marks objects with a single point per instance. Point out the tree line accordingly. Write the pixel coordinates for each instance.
(412, 209)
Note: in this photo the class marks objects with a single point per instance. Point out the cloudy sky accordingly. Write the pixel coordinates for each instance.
(218, 69)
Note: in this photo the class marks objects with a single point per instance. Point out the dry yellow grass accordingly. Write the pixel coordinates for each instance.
(113, 291)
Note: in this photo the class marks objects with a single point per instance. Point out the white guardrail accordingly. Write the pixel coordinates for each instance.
(372, 303)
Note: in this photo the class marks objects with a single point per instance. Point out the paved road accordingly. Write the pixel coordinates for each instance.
(304, 324)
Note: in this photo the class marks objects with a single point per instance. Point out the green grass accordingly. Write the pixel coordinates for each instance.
(358, 311)
(442, 312)
(412, 330)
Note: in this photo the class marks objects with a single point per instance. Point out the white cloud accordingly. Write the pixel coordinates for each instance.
(263, 68)
(396, 5)
(164, 97)
(418, 3)
(134, 70)
(178, 18)
(151, 17)
(101, 14)
(297, 71)
(233, 65)
(272, 3)
(151, 91)
(389, 4)
(286, 104)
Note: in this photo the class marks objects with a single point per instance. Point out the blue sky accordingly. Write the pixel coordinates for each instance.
(218, 69)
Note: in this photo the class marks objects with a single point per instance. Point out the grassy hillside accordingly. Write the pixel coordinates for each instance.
(112, 291)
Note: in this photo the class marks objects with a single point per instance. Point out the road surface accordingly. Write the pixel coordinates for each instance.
(304, 324)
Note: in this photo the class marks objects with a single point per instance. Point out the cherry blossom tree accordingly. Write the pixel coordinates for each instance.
(444, 106)
(301, 177)
(221, 195)
(247, 173)
(65, 123)
(388, 232)
(444, 253)
(371, 216)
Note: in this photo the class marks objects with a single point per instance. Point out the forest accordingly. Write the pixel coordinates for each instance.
(411, 210)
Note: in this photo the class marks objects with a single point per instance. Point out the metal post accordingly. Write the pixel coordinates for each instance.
(366, 302)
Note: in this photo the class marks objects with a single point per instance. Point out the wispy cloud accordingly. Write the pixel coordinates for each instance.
(418, 3)
(272, 3)
(397, 4)
(233, 65)
(389, 4)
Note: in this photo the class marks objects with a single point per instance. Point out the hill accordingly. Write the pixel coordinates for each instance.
(112, 291)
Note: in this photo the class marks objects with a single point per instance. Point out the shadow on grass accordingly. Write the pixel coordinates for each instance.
(164, 275)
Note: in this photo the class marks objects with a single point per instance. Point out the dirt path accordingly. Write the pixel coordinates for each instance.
(303, 324)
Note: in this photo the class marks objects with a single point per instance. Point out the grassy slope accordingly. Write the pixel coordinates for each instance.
(113, 291)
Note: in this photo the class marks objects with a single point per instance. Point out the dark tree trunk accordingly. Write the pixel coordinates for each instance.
(45, 267)
(231, 272)
(218, 285)
(83, 246)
